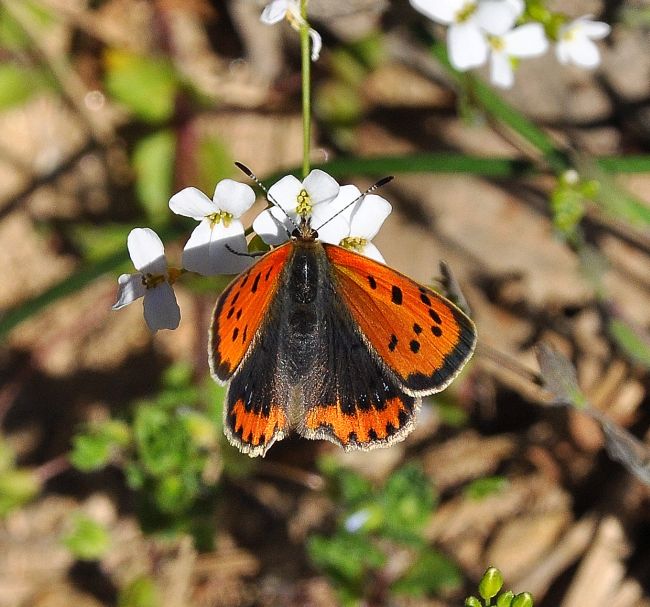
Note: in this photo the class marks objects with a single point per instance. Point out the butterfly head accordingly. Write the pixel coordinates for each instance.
(304, 231)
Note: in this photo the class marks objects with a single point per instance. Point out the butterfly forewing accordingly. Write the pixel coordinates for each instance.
(420, 336)
(240, 311)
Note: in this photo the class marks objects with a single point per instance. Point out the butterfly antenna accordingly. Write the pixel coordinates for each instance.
(244, 169)
(383, 181)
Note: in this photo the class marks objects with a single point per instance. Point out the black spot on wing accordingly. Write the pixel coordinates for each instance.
(437, 331)
(256, 282)
(417, 329)
(396, 295)
(435, 316)
(372, 282)
(415, 346)
(393, 343)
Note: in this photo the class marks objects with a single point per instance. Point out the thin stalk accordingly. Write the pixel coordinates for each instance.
(306, 88)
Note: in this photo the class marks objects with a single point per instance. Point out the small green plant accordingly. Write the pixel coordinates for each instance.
(489, 588)
(168, 449)
(88, 540)
(376, 527)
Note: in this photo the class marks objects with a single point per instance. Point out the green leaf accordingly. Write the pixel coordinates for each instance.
(88, 540)
(18, 84)
(146, 85)
(7, 456)
(176, 492)
(12, 35)
(484, 487)
(17, 487)
(338, 103)
(95, 448)
(431, 573)
(141, 592)
(451, 413)
(90, 452)
(472, 601)
(632, 342)
(346, 557)
(153, 161)
(96, 242)
(162, 441)
(214, 163)
(408, 501)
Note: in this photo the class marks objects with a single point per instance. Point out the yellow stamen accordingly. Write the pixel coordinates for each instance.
(354, 243)
(173, 274)
(220, 216)
(304, 206)
(497, 43)
(469, 8)
(151, 281)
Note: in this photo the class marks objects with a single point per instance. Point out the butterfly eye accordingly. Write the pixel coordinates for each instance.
(295, 233)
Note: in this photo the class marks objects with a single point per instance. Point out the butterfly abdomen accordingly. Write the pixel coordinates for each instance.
(302, 306)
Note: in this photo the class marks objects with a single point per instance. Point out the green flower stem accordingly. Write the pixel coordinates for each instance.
(306, 88)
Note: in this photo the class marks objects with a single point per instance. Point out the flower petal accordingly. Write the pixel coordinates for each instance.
(596, 30)
(496, 16)
(274, 11)
(320, 186)
(442, 11)
(467, 46)
(160, 308)
(526, 40)
(193, 203)
(207, 252)
(147, 251)
(368, 215)
(285, 192)
(584, 53)
(233, 197)
(370, 250)
(316, 44)
(272, 226)
(562, 53)
(330, 220)
(501, 72)
(130, 288)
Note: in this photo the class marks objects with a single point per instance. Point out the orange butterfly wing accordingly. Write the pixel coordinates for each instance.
(420, 336)
(240, 311)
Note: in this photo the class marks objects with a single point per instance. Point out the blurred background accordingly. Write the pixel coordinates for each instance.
(117, 487)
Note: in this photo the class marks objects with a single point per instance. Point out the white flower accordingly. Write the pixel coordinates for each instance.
(295, 198)
(209, 250)
(290, 10)
(527, 40)
(575, 42)
(152, 281)
(355, 226)
(469, 22)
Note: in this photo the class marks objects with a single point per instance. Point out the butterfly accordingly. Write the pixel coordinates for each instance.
(320, 340)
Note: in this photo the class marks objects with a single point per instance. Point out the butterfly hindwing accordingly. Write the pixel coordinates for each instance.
(419, 335)
(255, 412)
(240, 310)
(350, 398)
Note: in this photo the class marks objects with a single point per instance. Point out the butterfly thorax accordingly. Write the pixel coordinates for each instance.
(304, 231)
